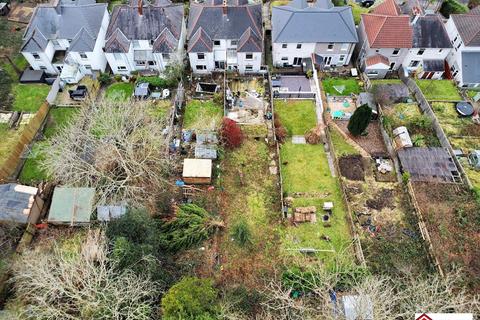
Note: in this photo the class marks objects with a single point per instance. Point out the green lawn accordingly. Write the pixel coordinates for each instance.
(8, 139)
(351, 86)
(31, 172)
(202, 115)
(342, 147)
(29, 97)
(119, 91)
(357, 11)
(439, 90)
(305, 170)
(297, 116)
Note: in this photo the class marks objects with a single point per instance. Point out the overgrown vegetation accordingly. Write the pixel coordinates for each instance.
(202, 115)
(452, 7)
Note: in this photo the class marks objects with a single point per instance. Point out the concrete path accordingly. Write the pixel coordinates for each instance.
(319, 111)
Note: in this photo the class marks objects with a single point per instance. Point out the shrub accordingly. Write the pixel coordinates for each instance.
(231, 134)
(158, 82)
(105, 78)
(191, 226)
(218, 98)
(421, 122)
(191, 298)
(406, 177)
(418, 140)
(452, 7)
(360, 120)
(241, 233)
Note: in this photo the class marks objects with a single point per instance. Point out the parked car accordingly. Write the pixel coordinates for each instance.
(366, 3)
(79, 94)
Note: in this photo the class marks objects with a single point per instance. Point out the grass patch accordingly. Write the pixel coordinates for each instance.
(385, 81)
(351, 86)
(439, 90)
(297, 116)
(9, 138)
(342, 147)
(305, 169)
(277, 3)
(198, 113)
(32, 172)
(29, 97)
(357, 11)
(119, 91)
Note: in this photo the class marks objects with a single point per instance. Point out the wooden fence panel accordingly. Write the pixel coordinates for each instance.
(9, 167)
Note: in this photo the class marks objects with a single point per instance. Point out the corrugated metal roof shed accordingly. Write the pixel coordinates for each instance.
(71, 205)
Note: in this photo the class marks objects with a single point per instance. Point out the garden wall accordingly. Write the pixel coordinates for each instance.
(9, 167)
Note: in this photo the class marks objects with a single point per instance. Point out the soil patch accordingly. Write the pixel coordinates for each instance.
(382, 200)
(452, 217)
(372, 143)
(351, 167)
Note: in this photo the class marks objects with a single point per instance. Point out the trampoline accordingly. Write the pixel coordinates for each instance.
(465, 109)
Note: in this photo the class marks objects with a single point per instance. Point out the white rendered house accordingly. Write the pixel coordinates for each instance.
(67, 38)
(225, 35)
(464, 59)
(145, 38)
(322, 31)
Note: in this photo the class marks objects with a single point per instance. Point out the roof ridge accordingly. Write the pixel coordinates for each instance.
(251, 18)
(354, 34)
(379, 29)
(284, 26)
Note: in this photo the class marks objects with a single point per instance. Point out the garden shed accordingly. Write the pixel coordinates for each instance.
(72, 206)
(17, 202)
(197, 171)
(357, 307)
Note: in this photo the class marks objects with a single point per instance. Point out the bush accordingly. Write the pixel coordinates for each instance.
(231, 134)
(191, 298)
(452, 7)
(406, 177)
(360, 120)
(158, 82)
(418, 140)
(191, 227)
(105, 78)
(241, 233)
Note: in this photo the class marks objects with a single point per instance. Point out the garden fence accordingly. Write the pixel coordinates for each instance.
(9, 168)
(427, 109)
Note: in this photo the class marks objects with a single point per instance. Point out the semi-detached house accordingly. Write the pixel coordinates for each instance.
(66, 38)
(320, 30)
(145, 37)
(464, 58)
(225, 35)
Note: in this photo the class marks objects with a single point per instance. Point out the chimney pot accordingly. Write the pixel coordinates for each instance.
(140, 7)
(224, 7)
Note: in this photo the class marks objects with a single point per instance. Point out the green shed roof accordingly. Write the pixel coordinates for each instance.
(71, 205)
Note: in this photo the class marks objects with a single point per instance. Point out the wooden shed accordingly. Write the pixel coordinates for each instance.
(197, 171)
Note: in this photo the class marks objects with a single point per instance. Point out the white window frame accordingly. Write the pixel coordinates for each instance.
(248, 68)
(36, 56)
(121, 68)
(83, 55)
(248, 54)
(200, 56)
(200, 67)
(396, 52)
(215, 43)
(330, 46)
(284, 45)
(299, 46)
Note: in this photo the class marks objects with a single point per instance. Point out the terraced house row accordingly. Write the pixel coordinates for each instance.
(75, 38)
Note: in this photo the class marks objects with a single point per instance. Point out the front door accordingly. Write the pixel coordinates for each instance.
(297, 61)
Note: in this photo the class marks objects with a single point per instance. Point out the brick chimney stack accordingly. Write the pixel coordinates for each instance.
(224, 7)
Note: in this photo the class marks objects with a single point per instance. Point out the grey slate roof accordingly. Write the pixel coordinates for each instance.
(320, 23)
(82, 42)
(200, 42)
(470, 67)
(149, 26)
(239, 18)
(249, 42)
(468, 26)
(429, 32)
(64, 21)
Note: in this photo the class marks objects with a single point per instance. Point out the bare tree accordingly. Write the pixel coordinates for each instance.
(116, 147)
(375, 296)
(81, 285)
